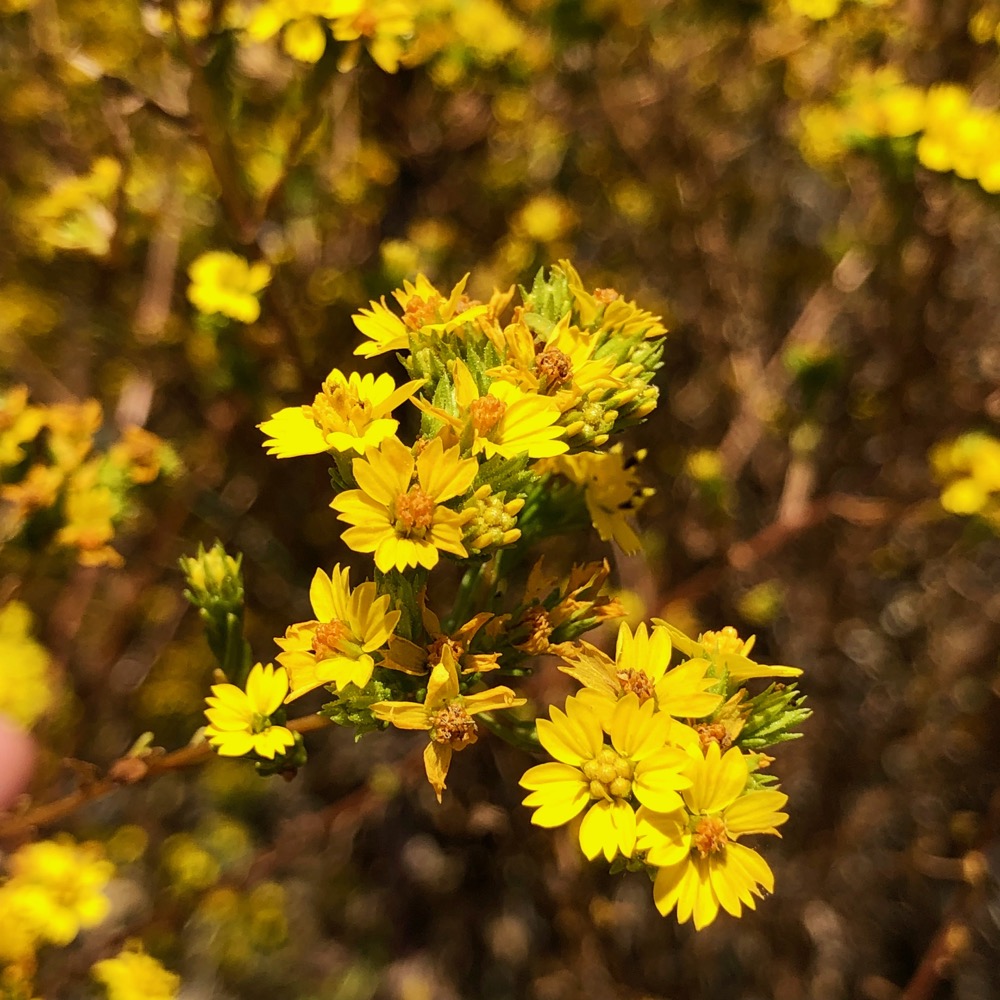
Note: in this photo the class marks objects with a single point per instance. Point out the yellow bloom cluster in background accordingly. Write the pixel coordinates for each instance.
(518, 406)
(969, 470)
(49, 461)
(54, 889)
(946, 130)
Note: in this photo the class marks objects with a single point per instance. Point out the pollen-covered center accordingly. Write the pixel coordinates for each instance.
(336, 406)
(714, 732)
(486, 413)
(610, 775)
(436, 649)
(636, 682)
(605, 295)
(414, 512)
(327, 637)
(454, 727)
(420, 312)
(555, 367)
(710, 836)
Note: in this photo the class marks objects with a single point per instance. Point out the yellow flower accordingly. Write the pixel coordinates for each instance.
(587, 774)
(27, 692)
(134, 975)
(640, 667)
(60, 887)
(547, 217)
(724, 649)
(90, 513)
(336, 648)
(424, 310)
(504, 421)
(384, 24)
(446, 715)
(702, 867)
(350, 413)
(613, 491)
(19, 423)
(404, 523)
(560, 364)
(239, 721)
(223, 282)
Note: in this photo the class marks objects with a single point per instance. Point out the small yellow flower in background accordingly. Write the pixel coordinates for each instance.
(972, 464)
(447, 716)
(76, 213)
(72, 427)
(240, 721)
(424, 309)
(336, 648)
(134, 975)
(818, 10)
(405, 523)
(702, 867)
(143, 455)
(27, 692)
(350, 413)
(726, 650)
(60, 887)
(385, 26)
(90, 513)
(589, 774)
(545, 218)
(223, 282)
(19, 424)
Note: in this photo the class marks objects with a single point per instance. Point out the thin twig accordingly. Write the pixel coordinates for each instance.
(14, 826)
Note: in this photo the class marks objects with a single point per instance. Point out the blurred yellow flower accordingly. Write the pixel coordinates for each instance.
(406, 524)
(134, 975)
(223, 282)
(447, 716)
(336, 647)
(702, 867)
(60, 887)
(350, 413)
(19, 424)
(27, 692)
(240, 721)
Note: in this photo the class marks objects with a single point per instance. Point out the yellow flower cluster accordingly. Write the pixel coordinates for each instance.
(54, 890)
(650, 755)
(48, 460)
(517, 406)
(969, 470)
(946, 130)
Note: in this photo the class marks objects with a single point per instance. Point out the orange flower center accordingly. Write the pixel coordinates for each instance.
(327, 637)
(487, 412)
(605, 295)
(414, 511)
(610, 775)
(714, 732)
(454, 727)
(636, 682)
(555, 368)
(710, 835)
(420, 312)
(337, 405)
(436, 648)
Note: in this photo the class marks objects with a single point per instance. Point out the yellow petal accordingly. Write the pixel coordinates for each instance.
(437, 760)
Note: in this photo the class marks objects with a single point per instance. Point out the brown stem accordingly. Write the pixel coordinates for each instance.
(12, 827)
